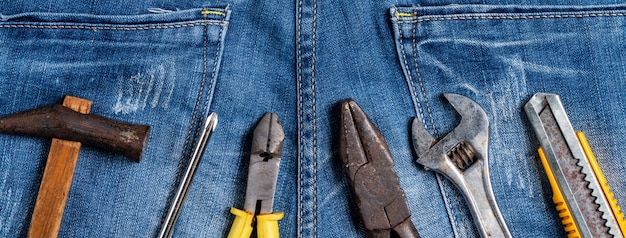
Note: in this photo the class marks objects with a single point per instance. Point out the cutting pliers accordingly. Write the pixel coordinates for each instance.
(267, 146)
(369, 166)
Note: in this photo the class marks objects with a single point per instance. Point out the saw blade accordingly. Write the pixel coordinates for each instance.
(572, 170)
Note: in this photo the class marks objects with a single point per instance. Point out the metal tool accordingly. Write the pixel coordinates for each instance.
(265, 155)
(461, 156)
(580, 192)
(167, 227)
(70, 126)
(369, 166)
(57, 121)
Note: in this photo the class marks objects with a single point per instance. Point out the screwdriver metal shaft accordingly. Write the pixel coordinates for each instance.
(170, 220)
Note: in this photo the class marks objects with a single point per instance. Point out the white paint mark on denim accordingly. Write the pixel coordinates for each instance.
(170, 87)
(470, 87)
(506, 93)
(509, 174)
(331, 197)
(12, 212)
(157, 10)
(480, 43)
(522, 65)
(159, 87)
(152, 89)
(440, 65)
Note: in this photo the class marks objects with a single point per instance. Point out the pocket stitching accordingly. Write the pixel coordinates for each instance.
(483, 16)
(449, 198)
(115, 28)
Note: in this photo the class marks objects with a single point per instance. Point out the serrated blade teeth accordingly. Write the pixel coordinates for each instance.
(579, 186)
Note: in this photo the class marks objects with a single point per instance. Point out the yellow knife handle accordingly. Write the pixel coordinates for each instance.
(242, 226)
(267, 225)
(557, 197)
(564, 212)
(619, 216)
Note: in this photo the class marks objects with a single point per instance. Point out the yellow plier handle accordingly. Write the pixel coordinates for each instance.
(242, 226)
(267, 224)
(564, 212)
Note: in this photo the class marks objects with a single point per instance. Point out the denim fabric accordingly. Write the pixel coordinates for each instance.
(499, 56)
(168, 65)
(153, 69)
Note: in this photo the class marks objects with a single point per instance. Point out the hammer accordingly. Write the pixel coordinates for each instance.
(69, 125)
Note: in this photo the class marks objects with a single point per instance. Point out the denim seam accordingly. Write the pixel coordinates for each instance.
(313, 39)
(419, 78)
(442, 188)
(418, 110)
(447, 202)
(513, 17)
(114, 28)
(301, 98)
(306, 30)
(195, 112)
(209, 97)
(412, 87)
(458, 203)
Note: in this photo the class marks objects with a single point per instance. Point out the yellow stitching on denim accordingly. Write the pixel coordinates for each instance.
(212, 12)
(513, 17)
(213, 80)
(404, 14)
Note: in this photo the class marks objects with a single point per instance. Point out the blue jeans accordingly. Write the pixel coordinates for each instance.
(169, 65)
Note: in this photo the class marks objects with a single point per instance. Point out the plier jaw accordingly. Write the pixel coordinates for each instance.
(369, 166)
(265, 156)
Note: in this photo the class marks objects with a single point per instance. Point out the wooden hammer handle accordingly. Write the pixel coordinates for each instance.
(56, 180)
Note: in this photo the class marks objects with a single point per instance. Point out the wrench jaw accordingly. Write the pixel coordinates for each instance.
(462, 156)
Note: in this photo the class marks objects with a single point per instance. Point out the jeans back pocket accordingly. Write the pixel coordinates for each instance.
(500, 56)
(157, 69)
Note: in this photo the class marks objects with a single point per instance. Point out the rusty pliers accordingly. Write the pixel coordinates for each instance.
(369, 166)
(462, 157)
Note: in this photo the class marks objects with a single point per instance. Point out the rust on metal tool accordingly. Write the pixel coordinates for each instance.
(588, 210)
(57, 121)
(462, 156)
(369, 165)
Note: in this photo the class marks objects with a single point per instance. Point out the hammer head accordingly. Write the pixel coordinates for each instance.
(469, 138)
(57, 121)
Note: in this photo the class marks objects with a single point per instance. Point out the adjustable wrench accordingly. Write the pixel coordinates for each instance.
(461, 156)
